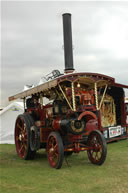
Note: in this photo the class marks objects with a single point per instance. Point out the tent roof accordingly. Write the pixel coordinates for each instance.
(17, 104)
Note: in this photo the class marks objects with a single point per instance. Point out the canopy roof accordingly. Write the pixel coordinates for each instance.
(87, 79)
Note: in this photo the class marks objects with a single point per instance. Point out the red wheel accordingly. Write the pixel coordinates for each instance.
(55, 150)
(97, 143)
(22, 137)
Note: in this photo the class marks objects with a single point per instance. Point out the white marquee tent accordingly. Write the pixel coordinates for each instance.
(7, 121)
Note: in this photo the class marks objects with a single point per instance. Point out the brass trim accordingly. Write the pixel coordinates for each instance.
(65, 97)
(96, 95)
(73, 97)
(101, 102)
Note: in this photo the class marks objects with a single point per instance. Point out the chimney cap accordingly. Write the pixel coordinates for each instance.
(67, 14)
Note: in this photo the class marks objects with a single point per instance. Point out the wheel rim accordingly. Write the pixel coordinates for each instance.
(21, 138)
(53, 151)
(96, 151)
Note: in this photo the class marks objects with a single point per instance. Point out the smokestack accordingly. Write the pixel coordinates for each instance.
(67, 33)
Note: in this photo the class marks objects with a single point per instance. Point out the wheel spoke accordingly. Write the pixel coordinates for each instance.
(25, 146)
(97, 158)
(99, 154)
(19, 127)
(56, 154)
(20, 150)
(55, 147)
(25, 139)
(18, 138)
(24, 134)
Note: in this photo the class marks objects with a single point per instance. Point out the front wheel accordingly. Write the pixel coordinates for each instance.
(55, 150)
(97, 147)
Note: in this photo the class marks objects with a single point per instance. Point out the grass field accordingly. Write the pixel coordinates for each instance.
(20, 176)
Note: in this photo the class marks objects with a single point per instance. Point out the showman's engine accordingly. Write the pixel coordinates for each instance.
(85, 110)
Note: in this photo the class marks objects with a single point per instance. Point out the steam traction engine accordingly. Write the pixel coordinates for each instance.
(75, 119)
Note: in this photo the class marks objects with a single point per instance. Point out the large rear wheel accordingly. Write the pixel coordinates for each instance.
(97, 147)
(22, 137)
(55, 150)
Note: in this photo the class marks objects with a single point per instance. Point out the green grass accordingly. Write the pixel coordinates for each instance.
(36, 176)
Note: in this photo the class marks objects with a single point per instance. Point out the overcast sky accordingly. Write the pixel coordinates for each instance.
(32, 40)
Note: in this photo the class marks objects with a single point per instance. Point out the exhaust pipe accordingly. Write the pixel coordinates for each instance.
(67, 33)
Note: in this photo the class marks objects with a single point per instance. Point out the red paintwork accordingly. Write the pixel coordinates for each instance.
(91, 125)
(56, 123)
(74, 138)
(88, 114)
(93, 76)
(44, 133)
(99, 121)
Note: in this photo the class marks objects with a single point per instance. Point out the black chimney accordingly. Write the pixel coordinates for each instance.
(67, 32)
